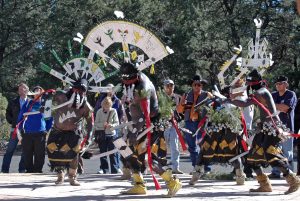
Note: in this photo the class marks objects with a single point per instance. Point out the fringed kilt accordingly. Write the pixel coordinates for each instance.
(266, 149)
(63, 147)
(220, 146)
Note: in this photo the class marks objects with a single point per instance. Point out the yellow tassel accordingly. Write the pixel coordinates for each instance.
(152, 70)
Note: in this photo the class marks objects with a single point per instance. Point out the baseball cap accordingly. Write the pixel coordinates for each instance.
(168, 81)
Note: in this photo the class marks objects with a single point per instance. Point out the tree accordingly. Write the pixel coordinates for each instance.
(4, 126)
(202, 34)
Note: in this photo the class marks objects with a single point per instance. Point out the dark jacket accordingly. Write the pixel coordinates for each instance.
(12, 111)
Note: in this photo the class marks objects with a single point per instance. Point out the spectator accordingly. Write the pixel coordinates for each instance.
(116, 104)
(297, 130)
(106, 118)
(285, 101)
(12, 112)
(191, 117)
(33, 129)
(170, 134)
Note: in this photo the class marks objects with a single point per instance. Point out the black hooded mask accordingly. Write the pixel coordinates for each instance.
(254, 80)
(80, 88)
(128, 72)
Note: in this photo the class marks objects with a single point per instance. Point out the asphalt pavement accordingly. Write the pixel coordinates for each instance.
(20, 186)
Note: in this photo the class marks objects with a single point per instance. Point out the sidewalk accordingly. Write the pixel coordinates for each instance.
(105, 187)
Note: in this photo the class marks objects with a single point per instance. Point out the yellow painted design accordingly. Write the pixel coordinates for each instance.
(65, 148)
(52, 147)
(152, 70)
(60, 160)
(260, 151)
(125, 47)
(205, 146)
(273, 159)
(237, 52)
(133, 55)
(273, 150)
(94, 67)
(77, 148)
(276, 159)
(163, 145)
(223, 144)
(219, 155)
(256, 160)
(137, 36)
(214, 145)
(154, 148)
(141, 148)
(232, 145)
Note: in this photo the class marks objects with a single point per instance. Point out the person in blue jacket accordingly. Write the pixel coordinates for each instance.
(33, 129)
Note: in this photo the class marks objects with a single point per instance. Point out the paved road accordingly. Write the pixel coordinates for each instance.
(15, 186)
(92, 166)
(22, 187)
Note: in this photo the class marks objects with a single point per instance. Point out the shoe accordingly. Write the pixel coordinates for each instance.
(273, 176)
(240, 177)
(196, 176)
(173, 183)
(138, 188)
(293, 182)
(100, 172)
(177, 171)
(119, 171)
(60, 178)
(4, 171)
(73, 177)
(264, 184)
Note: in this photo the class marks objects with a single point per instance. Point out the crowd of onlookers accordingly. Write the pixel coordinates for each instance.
(109, 111)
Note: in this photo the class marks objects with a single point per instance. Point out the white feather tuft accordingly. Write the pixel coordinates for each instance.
(169, 50)
(119, 14)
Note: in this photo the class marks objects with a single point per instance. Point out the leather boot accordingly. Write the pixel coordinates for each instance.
(264, 182)
(72, 177)
(199, 171)
(293, 181)
(173, 183)
(139, 187)
(60, 178)
(240, 177)
(126, 174)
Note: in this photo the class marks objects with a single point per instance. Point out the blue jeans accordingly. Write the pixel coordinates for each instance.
(11, 147)
(171, 138)
(191, 141)
(287, 149)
